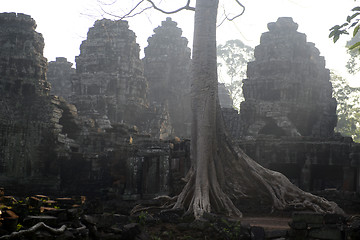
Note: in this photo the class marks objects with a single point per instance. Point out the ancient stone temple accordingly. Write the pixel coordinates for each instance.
(31, 136)
(109, 85)
(59, 76)
(167, 68)
(288, 90)
(288, 117)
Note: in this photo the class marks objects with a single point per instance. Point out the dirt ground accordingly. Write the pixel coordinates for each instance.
(268, 223)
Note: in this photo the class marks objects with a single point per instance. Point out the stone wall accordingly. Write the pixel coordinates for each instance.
(312, 164)
(29, 118)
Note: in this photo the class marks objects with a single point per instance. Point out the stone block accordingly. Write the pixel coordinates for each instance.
(308, 217)
(325, 233)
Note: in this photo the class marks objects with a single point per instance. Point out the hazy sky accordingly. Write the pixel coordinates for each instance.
(64, 23)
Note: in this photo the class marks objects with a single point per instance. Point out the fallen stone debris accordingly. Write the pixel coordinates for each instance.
(65, 218)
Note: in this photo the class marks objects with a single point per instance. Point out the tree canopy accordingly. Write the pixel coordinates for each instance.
(352, 25)
(234, 56)
(348, 108)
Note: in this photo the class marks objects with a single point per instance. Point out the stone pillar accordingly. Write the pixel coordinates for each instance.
(133, 176)
(305, 178)
(349, 178)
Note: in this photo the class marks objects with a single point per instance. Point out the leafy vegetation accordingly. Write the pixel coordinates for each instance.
(233, 56)
(348, 108)
(352, 22)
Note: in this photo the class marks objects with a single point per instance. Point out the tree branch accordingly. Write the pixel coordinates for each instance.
(186, 7)
(236, 16)
(131, 13)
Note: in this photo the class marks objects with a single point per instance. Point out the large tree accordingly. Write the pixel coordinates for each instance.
(348, 109)
(234, 56)
(221, 172)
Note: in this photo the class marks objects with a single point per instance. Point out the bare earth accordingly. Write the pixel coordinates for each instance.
(268, 223)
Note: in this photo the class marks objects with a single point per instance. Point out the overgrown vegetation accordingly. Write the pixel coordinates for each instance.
(348, 108)
(233, 57)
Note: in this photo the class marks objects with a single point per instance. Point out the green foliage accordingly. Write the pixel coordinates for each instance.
(233, 56)
(352, 22)
(142, 218)
(353, 64)
(348, 108)
(19, 227)
(231, 230)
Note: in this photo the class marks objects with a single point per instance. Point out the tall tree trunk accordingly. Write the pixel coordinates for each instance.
(213, 154)
(203, 192)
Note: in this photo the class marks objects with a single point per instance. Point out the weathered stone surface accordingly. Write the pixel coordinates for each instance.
(312, 164)
(29, 118)
(109, 85)
(59, 76)
(288, 90)
(167, 68)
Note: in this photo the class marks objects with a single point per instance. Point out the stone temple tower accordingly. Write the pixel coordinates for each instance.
(59, 76)
(109, 75)
(287, 91)
(167, 68)
(109, 85)
(32, 139)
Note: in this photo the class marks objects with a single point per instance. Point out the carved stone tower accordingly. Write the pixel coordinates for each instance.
(30, 119)
(167, 68)
(109, 85)
(288, 90)
(59, 75)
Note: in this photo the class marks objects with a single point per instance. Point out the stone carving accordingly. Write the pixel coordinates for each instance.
(288, 92)
(109, 85)
(167, 68)
(59, 76)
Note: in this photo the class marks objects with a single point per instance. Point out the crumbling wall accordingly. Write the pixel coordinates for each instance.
(31, 140)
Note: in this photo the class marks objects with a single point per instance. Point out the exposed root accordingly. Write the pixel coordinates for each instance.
(38, 226)
(246, 178)
(283, 193)
(160, 203)
(234, 174)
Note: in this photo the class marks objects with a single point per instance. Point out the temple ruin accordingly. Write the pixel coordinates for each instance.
(32, 139)
(118, 125)
(287, 120)
(109, 85)
(288, 90)
(167, 69)
(59, 75)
